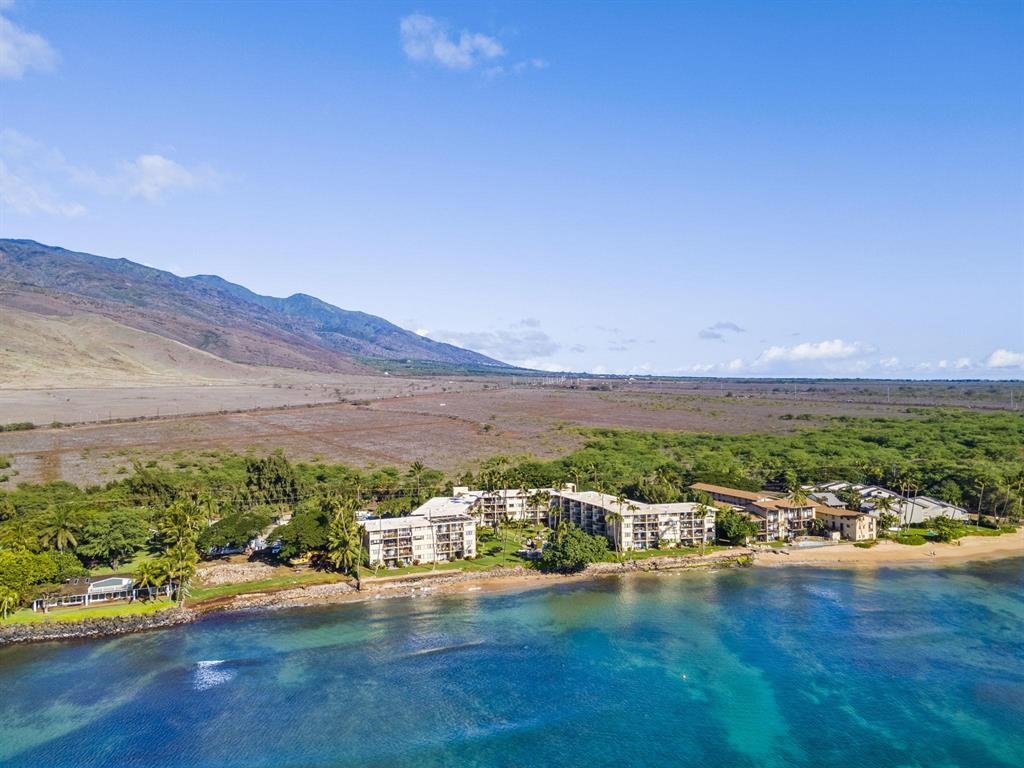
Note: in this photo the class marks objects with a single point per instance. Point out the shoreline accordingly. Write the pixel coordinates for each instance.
(889, 554)
(885, 554)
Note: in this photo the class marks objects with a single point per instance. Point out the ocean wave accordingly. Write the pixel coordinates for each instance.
(211, 673)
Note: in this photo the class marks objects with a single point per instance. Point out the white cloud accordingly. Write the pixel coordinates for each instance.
(150, 176)
(1004, 358)
(39, 179)
(835, 349)
(425, 39)
(22, 51)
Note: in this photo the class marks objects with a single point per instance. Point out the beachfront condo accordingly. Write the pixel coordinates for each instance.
(634, 525)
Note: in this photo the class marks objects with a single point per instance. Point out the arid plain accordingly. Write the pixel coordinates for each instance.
(91, 434)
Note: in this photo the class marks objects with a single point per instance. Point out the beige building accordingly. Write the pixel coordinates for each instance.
(440, 530)
(634, 524)
(777, 517)
(781, 518)
(853, 526)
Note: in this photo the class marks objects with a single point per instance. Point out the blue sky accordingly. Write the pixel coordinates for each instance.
(764, 189)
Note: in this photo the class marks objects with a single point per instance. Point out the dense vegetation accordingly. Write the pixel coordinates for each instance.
(164, 509)
(967, 458)
(571, 549)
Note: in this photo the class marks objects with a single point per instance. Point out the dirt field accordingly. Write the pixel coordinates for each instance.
(448, 424)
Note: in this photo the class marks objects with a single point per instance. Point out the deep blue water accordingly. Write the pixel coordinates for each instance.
(786, 667)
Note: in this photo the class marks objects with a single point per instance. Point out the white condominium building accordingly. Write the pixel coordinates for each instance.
(438, 531)
(635, 524)
(495, 507)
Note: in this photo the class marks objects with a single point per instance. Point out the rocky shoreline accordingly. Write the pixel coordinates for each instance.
(92, 628)
(499, 578)
(343, 592)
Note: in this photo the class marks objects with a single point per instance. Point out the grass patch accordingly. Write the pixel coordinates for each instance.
(128, 566)
(138, 608)
(913, 539)
(303, 579)
(865, 544)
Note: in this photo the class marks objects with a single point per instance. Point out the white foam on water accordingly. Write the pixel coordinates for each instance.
(210, 673)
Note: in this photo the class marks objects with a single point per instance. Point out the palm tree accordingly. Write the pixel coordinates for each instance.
(184, 519)
(345, 541)
(883, 503)
(613, 518)
(59, 529)
(149, 574)
(705, 511)
(539, 499)
(415, 474)
(9, 600)
(798, 496)
(18, 533)
(179, 564)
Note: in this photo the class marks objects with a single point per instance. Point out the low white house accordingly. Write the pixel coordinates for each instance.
(83, 591)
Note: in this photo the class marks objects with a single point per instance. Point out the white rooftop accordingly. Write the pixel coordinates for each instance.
(445, 506)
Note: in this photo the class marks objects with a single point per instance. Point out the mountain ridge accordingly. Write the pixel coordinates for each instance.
(212, 314)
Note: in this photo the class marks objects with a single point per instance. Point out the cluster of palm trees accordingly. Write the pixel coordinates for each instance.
(178, 529)
(344, 538)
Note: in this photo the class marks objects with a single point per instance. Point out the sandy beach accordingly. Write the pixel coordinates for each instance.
(888, 553)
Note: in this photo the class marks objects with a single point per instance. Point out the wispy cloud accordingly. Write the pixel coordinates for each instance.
(719, 330)
(522, 343)
(428, 40)
(152, 176)
(29, 197)
(22, 51)
(35, 178)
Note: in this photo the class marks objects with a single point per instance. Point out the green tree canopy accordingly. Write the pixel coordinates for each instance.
(571, 549)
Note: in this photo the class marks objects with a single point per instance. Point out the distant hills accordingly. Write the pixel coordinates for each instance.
(204, 312)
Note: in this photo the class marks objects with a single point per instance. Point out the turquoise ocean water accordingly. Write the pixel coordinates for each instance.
(786, 667)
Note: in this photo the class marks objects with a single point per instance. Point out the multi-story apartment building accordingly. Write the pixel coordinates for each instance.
(782, 518)
(777, 517)
(495, 507)
(632, 524)
(438, 531)
(855, 526)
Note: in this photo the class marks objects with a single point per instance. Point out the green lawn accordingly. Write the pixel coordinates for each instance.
(26, 616)
(129, 566)
(968, 530)
(492, 551)
(305, 578)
